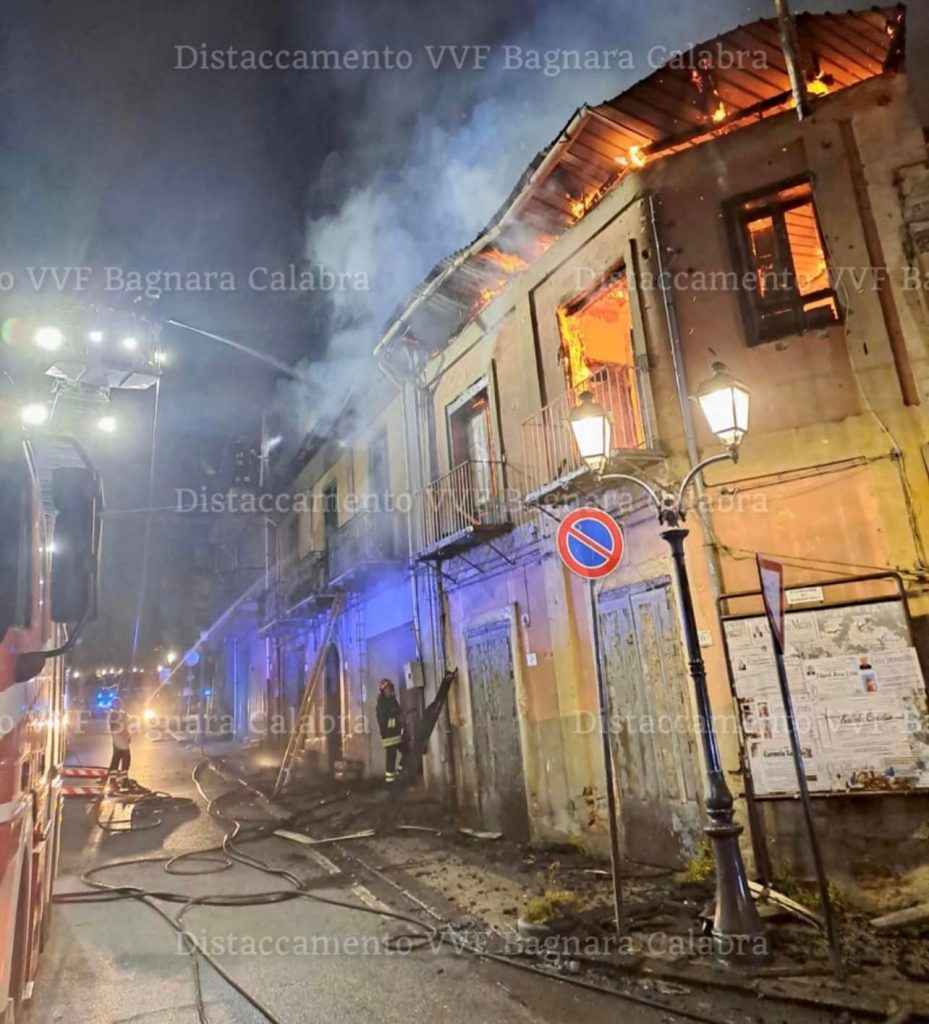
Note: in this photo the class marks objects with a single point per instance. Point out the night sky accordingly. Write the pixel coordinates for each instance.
(113, 157)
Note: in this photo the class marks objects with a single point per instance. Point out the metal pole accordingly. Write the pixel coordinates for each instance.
(737, 929)
(832, 934)
(147, 535)
(615, 859)
(791, 48)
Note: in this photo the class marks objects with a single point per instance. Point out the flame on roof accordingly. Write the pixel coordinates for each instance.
(682, 104)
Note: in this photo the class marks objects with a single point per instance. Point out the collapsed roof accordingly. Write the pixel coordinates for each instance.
(716, 87)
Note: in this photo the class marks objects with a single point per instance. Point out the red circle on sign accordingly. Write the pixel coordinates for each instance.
(571, 528)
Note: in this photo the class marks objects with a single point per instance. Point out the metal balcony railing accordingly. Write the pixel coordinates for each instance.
(300, 582)
(471, 499)
(304, 578)
(550, 453)
(367, 539)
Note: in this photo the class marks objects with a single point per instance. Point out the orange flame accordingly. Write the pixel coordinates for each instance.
(573, 347)
(508, 262)
(719, 114)
(817, 87)
(580, 206)
(635, 157)
(487, 293)
(544, 243)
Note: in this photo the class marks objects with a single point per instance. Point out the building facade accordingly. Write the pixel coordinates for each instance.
(692, 219)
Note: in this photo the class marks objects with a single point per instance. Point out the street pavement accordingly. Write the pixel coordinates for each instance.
(119, 962)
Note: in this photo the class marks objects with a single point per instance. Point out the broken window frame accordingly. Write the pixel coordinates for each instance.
(487, 482)
(768, 320)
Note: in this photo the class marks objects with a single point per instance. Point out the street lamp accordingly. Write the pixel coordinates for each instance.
(592, 428)
(737, 928)
(724, 402)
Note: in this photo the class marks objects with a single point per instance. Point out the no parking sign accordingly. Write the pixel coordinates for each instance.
(590, 542)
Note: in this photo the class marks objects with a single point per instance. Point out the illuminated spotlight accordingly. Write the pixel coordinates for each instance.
(95, 336)
(107, 424)
(130, 343)
(49, 338)
(34, 414)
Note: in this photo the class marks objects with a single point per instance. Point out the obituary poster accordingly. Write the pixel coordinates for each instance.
(858, 693)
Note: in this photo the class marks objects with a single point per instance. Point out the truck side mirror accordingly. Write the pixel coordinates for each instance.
(78, 499)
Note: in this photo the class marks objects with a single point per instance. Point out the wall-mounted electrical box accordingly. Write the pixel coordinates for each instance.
(413, 674)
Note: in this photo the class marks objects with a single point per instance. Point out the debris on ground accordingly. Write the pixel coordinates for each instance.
(555, 901)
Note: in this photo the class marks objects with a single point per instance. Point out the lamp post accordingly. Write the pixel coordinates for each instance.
(737, 928)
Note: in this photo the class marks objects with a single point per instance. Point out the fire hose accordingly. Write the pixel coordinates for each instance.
(226, 854)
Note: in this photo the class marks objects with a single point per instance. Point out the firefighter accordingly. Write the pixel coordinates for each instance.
(118, 724)
(390, 724)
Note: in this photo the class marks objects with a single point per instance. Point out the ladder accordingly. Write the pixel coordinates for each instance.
(306, 702)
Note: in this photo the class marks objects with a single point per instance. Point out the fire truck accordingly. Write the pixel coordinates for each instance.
(50, 514)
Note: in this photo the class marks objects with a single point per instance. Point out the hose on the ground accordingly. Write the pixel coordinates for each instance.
(227, 854)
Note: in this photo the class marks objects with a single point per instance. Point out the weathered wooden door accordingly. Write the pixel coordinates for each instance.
(652, 727)
(501, 790)
(332, 705)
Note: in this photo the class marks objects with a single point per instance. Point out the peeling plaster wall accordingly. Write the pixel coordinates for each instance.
(820, 398)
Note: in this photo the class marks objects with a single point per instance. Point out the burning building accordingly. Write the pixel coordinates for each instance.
(693, 217)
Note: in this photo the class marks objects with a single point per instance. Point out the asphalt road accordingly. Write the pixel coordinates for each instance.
(119, 962)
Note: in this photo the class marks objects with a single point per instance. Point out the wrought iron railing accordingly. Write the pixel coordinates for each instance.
(367, 538)
(470, 497)
(549, 450)
(298, 581)
(306, 577)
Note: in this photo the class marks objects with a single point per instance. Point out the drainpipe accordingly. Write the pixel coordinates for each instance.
(686, 410)
(791, 48)
(410, 534)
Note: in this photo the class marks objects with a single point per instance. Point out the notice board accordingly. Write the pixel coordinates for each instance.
(859, 697)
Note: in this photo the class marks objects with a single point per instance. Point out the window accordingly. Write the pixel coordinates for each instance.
(596, 329)
(471, 440)
(379, 470)
(16, 541)
(784, 285)
(598, 353)
(330, 511)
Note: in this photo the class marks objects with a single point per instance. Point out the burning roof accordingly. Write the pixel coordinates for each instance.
(716, 87)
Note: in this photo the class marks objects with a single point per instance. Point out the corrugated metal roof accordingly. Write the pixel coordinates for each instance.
(715, 88)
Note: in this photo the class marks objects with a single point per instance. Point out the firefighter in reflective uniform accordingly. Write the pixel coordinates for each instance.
(390, 724)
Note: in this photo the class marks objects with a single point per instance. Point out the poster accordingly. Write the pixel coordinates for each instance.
(859, 700)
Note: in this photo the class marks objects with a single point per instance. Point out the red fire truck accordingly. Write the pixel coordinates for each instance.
(50, 508)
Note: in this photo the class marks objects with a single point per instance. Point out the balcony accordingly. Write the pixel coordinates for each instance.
(551, 461)
(463, 507)
(304, 581)
(301, 590)
(368, 544)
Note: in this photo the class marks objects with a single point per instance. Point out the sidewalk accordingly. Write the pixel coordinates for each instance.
(558, 900)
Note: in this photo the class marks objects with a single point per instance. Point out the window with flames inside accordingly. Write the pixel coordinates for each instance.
(599, 358)
(784, 282)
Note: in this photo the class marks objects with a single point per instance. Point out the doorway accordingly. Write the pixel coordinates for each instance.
(653, 739)
(495, 722)
(332, 705)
